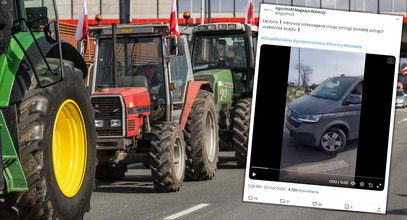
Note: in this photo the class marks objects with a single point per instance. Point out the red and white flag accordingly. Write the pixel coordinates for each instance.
(174, 19)
(83, 25)
(249, 19)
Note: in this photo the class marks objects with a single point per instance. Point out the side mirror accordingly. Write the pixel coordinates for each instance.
(50, 31)
(353, 99)
(37, 17)
(176, 46)
(172, 45)
(180, 47)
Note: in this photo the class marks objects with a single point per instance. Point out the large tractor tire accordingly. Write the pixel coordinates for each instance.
(110, 172)
(202, 136)
(56, 136)
(167, 157)
(241, 126)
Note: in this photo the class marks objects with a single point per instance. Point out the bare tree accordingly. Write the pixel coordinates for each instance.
(305, 72)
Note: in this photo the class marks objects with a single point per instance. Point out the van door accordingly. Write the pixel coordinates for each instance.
(352, 106)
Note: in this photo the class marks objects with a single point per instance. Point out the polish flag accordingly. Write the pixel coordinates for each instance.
(249, 19)
(174, 19)
(82, 27)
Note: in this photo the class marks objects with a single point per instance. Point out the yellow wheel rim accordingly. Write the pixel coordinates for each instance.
(69, 146)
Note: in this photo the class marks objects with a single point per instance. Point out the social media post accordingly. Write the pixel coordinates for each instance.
(319, 137)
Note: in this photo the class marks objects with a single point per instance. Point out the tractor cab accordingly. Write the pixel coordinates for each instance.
(147, 106)
(146, 56)
(225, 46)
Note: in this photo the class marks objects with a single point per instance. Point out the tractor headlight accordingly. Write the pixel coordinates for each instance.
(98, 123)
(288, 112)
(231, 26)
(222, 26)
(202, 28)
(309, 118)
(114, 123)
(211, 27)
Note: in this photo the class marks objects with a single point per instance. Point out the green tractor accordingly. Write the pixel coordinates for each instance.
(224, 55)
(47, 141)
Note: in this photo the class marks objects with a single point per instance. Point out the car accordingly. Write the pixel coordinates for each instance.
(400, 99)
(329, 116)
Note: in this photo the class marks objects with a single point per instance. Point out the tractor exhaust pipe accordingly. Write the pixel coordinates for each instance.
(114, 58)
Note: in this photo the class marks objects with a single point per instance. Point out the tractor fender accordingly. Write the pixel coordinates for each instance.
(191, 93)
(24, 73)
(70, 53)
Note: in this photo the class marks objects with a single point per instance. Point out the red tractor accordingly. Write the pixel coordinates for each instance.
(149, 109)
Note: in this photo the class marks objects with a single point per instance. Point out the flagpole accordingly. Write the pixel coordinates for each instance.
(202, 11)
(89, 59)
(87, 40)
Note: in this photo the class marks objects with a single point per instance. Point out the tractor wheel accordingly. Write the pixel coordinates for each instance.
(56, 136)
(167, 157)
(110, 172)
(202, 138)
(241, 125)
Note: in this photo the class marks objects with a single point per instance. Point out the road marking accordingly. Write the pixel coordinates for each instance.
(185, 212)
(324, 167)
(401, 121)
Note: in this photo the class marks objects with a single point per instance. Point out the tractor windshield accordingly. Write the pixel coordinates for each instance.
(219, 51)
(139, 62)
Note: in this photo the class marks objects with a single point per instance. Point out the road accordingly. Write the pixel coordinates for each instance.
(221, 198)
(299, 162)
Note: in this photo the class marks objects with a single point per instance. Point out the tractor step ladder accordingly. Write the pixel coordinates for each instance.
(11, 167)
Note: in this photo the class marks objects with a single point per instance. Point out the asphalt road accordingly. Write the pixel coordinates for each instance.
(299, 162)
(221, 198)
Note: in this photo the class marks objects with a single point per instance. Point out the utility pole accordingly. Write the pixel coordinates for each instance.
(124, 8)
(158, 8)
(209, 12)
(234, 8)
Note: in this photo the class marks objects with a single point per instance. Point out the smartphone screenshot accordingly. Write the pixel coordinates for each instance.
(323, 109)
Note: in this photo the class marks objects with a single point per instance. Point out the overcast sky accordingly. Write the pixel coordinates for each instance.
(326, 63)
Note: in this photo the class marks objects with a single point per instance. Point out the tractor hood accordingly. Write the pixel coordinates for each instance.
(133, 97)
(221, 81)
(215, 75)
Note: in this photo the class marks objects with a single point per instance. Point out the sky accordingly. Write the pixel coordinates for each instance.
(326, 63)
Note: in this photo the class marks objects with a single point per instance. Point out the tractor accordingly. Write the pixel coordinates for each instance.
(48, 136)
(149, 109)
(224, 55)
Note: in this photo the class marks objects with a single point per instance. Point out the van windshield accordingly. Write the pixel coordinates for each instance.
(333, 88)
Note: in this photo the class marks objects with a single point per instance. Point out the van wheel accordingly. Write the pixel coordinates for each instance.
(333, 141)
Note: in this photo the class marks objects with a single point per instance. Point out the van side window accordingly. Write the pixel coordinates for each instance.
(358, 90)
